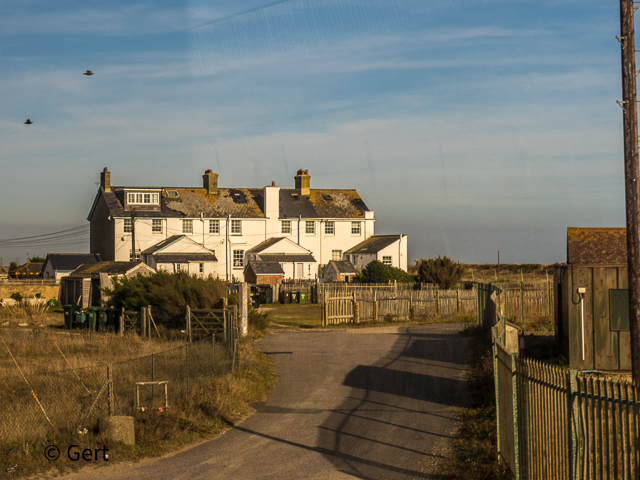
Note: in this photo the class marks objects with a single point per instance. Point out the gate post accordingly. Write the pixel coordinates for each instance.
(574, 416)
(324, 314)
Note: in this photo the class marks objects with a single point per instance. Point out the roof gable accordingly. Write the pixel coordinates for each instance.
(179, 244)
(110, 268)
(373, 244)
(278, 245)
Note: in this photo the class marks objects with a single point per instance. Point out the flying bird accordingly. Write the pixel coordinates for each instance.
(28, 122)
(88, 72)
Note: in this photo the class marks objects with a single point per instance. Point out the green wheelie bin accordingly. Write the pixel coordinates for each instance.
(302, 297)
(102, 322)
(70, 316)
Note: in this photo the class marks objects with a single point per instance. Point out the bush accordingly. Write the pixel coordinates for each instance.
(16, 296)
(378, 272)
(167, 293)
(442, 271)
(259, 321)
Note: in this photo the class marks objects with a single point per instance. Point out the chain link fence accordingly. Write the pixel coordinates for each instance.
(37, 405)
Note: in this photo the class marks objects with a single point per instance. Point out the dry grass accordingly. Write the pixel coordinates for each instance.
(39, 350)
(527, 272)
(211, 407)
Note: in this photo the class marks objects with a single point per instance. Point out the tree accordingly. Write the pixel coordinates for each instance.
(443, 271)
(13, 266)
(36, 259)
(378, 272)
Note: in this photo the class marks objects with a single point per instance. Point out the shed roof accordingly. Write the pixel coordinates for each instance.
(343, 267)
(266, 268)
(597, 245)
(285, 257)
(373, 244)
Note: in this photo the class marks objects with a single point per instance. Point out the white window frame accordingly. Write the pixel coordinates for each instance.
(387, 260)
(201, 268)
(356, 228)
(143, 198)
(285, 226)
(238, 258)
(336, 253)
(236, 227)
(187, 225)
(127, 225)
(156, 226)
(330, 227)
(309, 227)
(214, 227)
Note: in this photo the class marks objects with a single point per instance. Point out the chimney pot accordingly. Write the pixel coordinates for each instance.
(208, 171)
(273, 183)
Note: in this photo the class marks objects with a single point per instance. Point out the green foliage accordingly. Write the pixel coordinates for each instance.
(442, 271)
(16, 296)
(259, 321)
(167, 293)
(37, 259)
(13, 266)
(378, 272)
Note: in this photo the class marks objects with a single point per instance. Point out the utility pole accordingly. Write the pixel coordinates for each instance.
(133, 235)
(631, 177)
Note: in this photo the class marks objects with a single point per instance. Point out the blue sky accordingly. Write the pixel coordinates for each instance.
(473, 126)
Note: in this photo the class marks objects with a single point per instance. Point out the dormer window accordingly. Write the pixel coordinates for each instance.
(172, 193)
(143, 198)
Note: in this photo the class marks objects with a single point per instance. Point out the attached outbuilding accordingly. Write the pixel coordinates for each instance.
(388, 249)
(591, 300)
(180, 253)
(297, 262)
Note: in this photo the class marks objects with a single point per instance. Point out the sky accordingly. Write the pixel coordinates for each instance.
(473, 126)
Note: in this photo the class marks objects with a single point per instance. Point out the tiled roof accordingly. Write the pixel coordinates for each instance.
(344, 267)
(29, 267)
(266, 268)
(239, 203)
(184, 257)
(266, 244)
(70, 261)
(373, 244)
(160, 245)
(597, 245)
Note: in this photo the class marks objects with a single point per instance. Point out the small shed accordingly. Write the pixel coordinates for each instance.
(338, 271)
(591, 300)
(83, 286)
(264, 273)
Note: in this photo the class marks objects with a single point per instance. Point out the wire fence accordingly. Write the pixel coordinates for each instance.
(43, 404)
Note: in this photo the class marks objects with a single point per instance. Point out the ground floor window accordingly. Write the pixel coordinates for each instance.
(238, 258)
(386, 260)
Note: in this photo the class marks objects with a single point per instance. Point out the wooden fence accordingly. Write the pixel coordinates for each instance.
(376, 305)
(563, 424)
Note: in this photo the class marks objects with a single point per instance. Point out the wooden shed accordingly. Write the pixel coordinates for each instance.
(591, 300)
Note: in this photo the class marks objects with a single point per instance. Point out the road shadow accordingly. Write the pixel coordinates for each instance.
(401, 410)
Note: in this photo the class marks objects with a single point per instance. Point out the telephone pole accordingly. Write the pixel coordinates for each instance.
(133, 235)
(631, 177)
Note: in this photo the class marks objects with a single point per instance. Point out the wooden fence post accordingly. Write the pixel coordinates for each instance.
(143, 322)
(411, 312)
(324, 314)
(121, 323)
(375, 306)
(515, 413)
(109, 391)
(188, 323)
(458, 301)
(522, 302)
(437, 301)
(574, 412)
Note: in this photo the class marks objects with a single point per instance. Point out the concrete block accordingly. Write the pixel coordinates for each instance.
(118, 428)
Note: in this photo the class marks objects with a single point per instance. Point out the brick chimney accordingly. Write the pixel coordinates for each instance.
(303, 182)
(105, 180)
(210, 182)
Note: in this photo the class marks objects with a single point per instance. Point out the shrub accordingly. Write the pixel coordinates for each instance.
(167, 293)
(16, 296)
(378, 272)
(259, 321)
(442, 271)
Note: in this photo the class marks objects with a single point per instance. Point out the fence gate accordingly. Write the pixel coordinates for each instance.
(339, 310)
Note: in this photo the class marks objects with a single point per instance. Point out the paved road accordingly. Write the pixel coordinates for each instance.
(372, 403)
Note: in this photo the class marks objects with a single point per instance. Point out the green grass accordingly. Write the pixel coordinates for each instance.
(293, 315)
